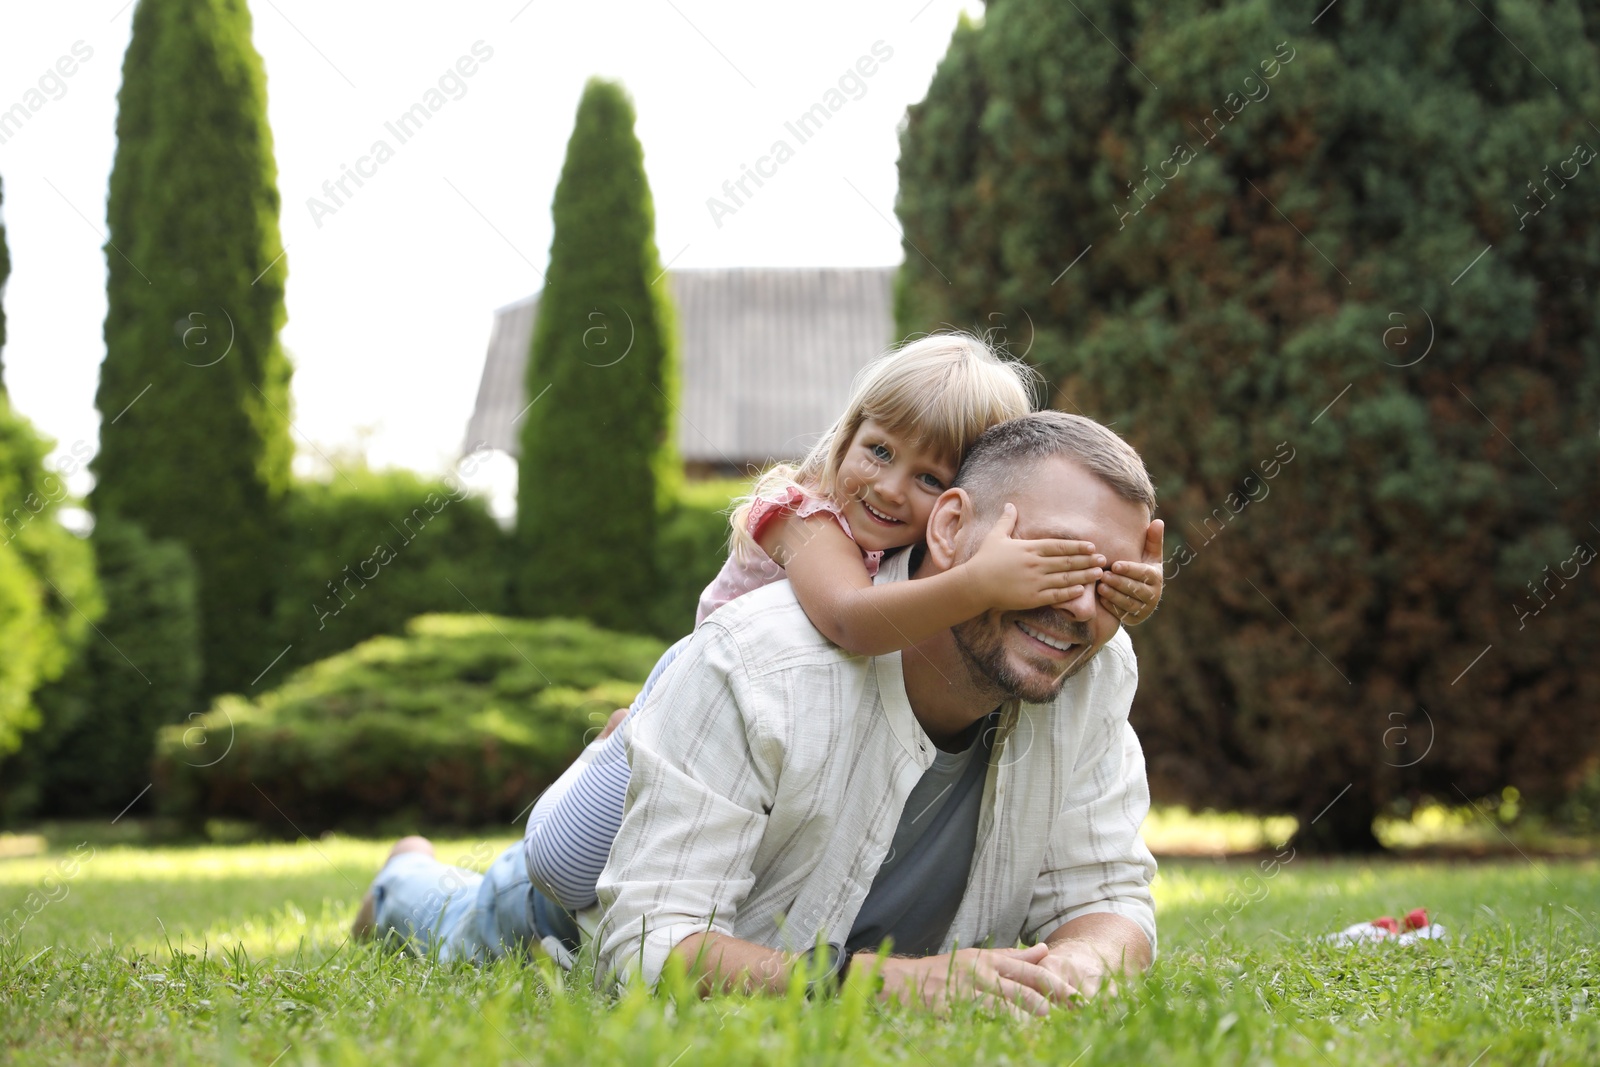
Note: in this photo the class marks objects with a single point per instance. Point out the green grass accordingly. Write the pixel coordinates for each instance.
(236, 954)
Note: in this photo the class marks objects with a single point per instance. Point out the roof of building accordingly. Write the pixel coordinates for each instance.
(767, 358)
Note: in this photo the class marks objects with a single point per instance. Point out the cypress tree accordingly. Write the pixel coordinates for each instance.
(1332, 280)
(598, 464)
(194, 391)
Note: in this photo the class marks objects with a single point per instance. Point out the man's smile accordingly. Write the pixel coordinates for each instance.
(1059, 644)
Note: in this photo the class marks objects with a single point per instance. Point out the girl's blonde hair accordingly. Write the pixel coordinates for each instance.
(941, 391)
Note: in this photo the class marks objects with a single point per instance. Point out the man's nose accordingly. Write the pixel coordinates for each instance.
(1082, 606)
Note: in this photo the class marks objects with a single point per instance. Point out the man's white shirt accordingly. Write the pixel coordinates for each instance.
(769, 769)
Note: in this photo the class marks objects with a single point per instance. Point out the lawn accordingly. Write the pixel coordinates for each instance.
(128, 953)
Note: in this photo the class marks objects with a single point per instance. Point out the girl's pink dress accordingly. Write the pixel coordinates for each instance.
(742, 575)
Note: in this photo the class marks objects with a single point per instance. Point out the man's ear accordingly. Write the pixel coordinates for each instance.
(952, 512)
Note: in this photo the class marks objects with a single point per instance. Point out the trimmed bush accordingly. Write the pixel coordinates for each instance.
(368, 550)
(461, 721)
(194, 390)
(598, 466)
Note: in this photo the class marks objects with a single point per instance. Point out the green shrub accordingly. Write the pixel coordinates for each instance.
(690, 549)
(369, 550)
(47, 591)
(140, 672)
(598, 466)
(194, 389)
(20, 633)
(463, 720)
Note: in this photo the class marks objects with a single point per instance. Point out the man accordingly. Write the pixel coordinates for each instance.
(979, 789)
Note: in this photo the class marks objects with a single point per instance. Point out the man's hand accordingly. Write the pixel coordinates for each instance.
(1081, 966)
(1013, 980)
(1009, 573)
(1089, 952)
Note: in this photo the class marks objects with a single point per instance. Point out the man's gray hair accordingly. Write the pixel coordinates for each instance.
(1007, 450)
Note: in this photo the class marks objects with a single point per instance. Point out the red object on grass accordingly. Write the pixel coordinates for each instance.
(1417, 919)
(1387, 922)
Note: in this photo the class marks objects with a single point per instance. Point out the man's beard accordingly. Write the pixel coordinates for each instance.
(982, 645)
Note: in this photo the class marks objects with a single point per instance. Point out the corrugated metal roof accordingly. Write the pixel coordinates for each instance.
(767, 358)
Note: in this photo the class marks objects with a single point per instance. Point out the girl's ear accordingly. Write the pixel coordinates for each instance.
(950, 515)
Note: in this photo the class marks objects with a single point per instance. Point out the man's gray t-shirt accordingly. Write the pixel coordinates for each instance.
(918, 889)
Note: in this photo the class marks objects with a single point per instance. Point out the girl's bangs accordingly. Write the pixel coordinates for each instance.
(946, 412)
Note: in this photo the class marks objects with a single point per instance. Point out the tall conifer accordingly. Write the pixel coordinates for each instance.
(598, 462)
(194, 391)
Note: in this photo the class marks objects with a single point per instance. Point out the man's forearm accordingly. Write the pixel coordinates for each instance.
(726, 964)
(1117, 940)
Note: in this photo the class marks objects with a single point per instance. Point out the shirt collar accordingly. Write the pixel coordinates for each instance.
(890, 672)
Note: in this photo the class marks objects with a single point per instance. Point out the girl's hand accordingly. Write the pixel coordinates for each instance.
(1012, 574)
(1131, 591)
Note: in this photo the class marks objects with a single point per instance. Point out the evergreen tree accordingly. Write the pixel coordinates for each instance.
(598, 464)
(194, 391)
(1332, 280)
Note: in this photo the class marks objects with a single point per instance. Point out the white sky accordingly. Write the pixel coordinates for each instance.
(390, 301)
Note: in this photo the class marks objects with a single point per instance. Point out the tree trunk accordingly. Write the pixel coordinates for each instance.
(1344, 827)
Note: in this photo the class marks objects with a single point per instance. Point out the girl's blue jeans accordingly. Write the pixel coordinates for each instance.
(458, 914)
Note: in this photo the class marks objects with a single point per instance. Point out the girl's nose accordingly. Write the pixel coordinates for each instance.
(892, 488)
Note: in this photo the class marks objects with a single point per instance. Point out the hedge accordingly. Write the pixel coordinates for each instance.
(368, 550)
(461, 721)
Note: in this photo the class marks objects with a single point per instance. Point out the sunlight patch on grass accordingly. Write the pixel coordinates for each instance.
(282, 933)
(1176, 831)
(128, 863)
(81, 896)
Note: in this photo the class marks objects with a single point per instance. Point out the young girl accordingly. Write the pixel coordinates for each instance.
(865, 489)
